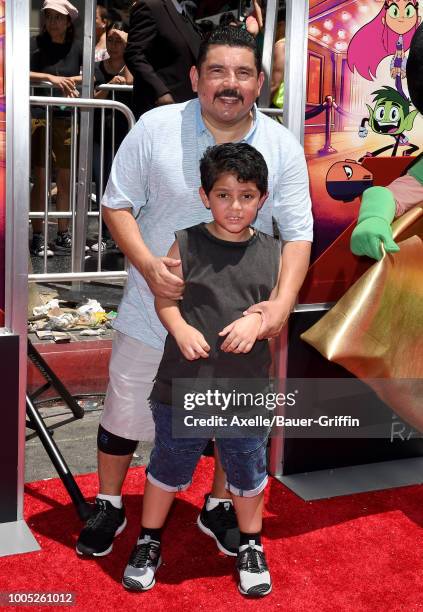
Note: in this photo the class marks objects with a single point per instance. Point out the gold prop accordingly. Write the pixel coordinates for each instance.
(376, 329)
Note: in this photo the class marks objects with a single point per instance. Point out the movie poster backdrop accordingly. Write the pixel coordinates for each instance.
(2, 159)
(357, 109)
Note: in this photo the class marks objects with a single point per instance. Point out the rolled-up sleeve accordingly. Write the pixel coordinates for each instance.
(128, 184)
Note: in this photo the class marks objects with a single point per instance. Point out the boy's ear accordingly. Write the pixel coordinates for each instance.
(262, 200)
(204, 197)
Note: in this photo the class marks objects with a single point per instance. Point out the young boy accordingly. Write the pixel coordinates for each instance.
(226, 266)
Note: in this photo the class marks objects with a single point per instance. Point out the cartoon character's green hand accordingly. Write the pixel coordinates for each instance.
(373, 229)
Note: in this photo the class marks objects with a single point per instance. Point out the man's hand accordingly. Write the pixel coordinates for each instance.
(275, 314)
(241, 334)
(191, 342)
(160, 279)
(165, 99)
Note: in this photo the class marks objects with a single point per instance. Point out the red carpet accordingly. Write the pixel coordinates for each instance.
(356, 553)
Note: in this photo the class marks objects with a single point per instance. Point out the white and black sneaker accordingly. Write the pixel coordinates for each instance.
(254, 576)
(63, 243)
(143, 563)
(107, 522)
(221, 524)
(38, 246)
(105, 245)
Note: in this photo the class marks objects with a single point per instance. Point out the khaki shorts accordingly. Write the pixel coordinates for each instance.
(133, 367)
(60, 144)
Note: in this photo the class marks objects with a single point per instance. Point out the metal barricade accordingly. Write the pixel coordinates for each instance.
(46, 214)
(114, 89)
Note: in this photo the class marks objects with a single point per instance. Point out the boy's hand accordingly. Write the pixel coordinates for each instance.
(160, 279)
(275, 314)
(241, 334)
(191, 342)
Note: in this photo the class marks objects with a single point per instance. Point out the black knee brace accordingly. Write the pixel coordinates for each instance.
(114, 445)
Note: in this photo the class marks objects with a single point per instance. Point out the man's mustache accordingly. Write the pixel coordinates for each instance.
(229, 93)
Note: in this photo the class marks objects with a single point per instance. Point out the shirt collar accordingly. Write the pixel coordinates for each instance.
(202, 129)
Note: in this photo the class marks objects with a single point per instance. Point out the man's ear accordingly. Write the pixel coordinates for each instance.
(262, 200)
(204, 198)
(193, 75)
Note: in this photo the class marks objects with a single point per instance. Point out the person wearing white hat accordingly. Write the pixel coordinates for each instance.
(61, 6)
(56, 57)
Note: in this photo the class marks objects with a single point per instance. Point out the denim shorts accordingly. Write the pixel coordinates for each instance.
(173, 460)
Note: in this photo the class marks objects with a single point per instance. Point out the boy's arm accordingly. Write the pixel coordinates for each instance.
(190, 341)
(275, 312)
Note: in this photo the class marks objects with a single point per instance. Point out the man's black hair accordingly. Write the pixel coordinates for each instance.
(237, 158)
(231, 37)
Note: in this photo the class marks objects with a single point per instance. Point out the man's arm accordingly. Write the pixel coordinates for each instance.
(191, 342)
(275, 312)
(292, 212)
(142, 32)
(126, 194)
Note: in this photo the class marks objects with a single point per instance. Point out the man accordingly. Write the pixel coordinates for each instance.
(151, 193)
(162, 46)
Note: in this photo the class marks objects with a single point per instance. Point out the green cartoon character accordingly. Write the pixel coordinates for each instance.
(390, 116)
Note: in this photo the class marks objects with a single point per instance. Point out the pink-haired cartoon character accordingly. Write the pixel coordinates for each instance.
(389, 33)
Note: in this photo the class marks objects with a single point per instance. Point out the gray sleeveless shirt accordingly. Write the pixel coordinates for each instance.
(222, 279)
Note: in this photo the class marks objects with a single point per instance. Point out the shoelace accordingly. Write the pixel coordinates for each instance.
(102, 517)
(253, 561)
(141, 557)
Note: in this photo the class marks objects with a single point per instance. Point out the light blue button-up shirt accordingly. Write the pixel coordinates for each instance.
(156, 173)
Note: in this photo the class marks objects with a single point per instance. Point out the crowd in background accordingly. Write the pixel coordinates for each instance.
(146, 44)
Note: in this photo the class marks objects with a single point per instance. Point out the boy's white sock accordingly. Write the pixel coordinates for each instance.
(213, 502)
(115, 500)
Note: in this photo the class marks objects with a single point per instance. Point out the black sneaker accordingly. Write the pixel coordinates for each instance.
(221, 524)
(254, 576)
(143, 563)
(37, 246)
(63, 241)
(107, 522)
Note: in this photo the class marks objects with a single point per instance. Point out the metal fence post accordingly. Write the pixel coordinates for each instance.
(268, 44)
(85, 141)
